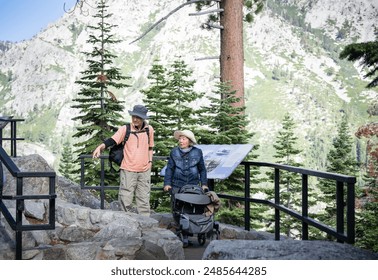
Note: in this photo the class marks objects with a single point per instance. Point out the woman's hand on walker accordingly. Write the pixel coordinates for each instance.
(167, 188)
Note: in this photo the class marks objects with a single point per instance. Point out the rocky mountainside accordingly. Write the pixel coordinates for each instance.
(291, 65)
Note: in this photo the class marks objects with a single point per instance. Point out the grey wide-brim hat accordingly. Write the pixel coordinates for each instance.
(186, 133)
(139, 111)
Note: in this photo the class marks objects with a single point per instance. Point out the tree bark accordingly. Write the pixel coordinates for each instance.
(232, 50)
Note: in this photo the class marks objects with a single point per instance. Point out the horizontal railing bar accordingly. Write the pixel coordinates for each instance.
(11, 138)
(105, 156)
(297, 215)
(113, 188)
(47, 174)
(308, 220)
(39, 196)
(99, 187)
(11, 120)
(160, 158)
(325, 175)
(8, 138)
(35, 227)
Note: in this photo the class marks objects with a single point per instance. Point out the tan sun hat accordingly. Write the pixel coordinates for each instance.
(186, 133)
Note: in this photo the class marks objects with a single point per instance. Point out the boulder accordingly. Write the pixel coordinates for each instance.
(284, 250)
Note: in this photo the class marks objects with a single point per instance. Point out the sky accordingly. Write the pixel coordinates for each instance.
(22, 19)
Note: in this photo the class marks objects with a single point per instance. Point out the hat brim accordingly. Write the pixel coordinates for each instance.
(132, 113)
(178, 133)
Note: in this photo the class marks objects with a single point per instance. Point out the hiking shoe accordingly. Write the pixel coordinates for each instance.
(131, 210)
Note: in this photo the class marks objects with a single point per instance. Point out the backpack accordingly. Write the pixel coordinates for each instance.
(116, 151)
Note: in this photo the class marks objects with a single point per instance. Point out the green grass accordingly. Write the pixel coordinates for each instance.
(39, 125)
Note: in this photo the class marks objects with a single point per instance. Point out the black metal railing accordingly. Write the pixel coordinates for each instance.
(13, 133)
(340, 182)
(101, 188)
(19, 197)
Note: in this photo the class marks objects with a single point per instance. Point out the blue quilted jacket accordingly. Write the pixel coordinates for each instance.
(185, 168)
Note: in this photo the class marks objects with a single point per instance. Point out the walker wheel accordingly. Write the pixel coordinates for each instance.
(201, 239)
(214, 235)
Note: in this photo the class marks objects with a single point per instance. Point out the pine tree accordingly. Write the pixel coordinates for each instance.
(339, 160)
(157, 99)
(285, 144)
(222, 123)
(367, 202)
(366, 220)
(100, 111)
(67, 166)
(290, 183)
(366, 214)
(169, 99)
(180, 112)
(367, 53)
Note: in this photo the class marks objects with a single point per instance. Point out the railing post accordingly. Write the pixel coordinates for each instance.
(18, 244)
(82, 172)
(304, 205)
(13, 138)
(102, 183)
(350, 213)
(52, 201)
(1, 180)
(20, 206)
(210, 184)
(247, 194)
(277, 201)
(3, 123)
(339, 208)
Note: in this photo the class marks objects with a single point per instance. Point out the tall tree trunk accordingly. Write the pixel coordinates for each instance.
(232, 50)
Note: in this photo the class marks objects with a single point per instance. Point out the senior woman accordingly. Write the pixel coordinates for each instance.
(186, 165)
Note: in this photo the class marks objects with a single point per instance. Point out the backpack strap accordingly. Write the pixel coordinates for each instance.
(128, 131)
(127, 135)
(148, 134)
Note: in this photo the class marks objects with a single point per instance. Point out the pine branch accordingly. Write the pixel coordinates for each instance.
(168, 15)
(207, 57)
(206, 12)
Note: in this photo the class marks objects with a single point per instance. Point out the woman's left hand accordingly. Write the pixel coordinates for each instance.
(167, 188)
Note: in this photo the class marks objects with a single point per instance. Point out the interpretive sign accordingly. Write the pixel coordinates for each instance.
(221, 160)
